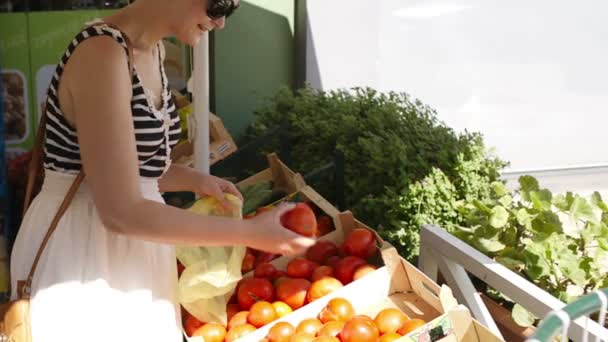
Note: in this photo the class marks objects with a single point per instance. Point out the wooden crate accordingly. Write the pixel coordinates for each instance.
(397, 284)
(284, 179)
(221, 145)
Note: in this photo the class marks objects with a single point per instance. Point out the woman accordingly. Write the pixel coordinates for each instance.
(109, 270)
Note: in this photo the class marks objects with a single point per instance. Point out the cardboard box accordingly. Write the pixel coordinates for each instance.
(397, 284)
(221, 144)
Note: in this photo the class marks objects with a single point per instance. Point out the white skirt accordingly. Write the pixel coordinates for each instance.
(92, 284)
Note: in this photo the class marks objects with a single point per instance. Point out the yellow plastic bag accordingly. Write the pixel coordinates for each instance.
(211, 273)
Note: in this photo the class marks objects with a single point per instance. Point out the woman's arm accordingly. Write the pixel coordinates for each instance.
(98, 82)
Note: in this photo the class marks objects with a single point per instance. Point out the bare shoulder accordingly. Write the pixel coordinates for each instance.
(97, 59)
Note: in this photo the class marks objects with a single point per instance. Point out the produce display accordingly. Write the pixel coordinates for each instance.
(269, 293)
(339, 322)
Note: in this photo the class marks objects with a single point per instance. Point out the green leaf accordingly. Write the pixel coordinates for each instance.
(541, 199)
(537, 265)
(581, 209)
(484, 208)
(488, 246)
(509, 236)
(547, 222)
(562, 202)
(527, 184)
(596, 199)
(499, 189)
(570, 265)
(523, 217)
(499, 217)
(522, 316)
(506, 201)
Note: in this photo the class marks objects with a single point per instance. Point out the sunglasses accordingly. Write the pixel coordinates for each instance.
(221, 8)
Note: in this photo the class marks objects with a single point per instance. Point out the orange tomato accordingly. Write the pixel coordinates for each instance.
(281, 308)
(390, 320)
(293, 291)
(359, 329)
(281, 332)
(309, 326)
(239, 318)
(389, 337)
(410, 326)
(261, 313)
(238, 332)
(337, 309)
(211, 332)
(362, 271)
(331, 328)
(322, 287)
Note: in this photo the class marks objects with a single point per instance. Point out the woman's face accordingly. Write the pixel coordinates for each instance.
(195, 20)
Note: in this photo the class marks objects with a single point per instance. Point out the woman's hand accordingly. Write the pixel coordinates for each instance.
(208, 185)
(270, 236)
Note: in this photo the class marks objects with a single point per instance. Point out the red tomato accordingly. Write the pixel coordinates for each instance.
(253, 289)
(180, 268)
(191, 324)
(321, 272)
(324, 225)
(301, 220)
(321, 250)
(345, 268)
(231, 310)
(265, 270)
(248, 262)
(360, 242)
(293, 291)
(333, 261)
(264, 257)
(322, 287)
(301, 268)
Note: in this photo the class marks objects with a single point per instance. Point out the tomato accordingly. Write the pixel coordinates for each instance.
(261, 313)
(264, 209)
(180, 268)
(322, 287)
(248, 262)
(293, 291)
(326, 339)
(321, 250)
(238, 332)
(332, 261)
(324, 225)
(231, 310)
(249, 216)
(390, 320)
(211, 332)
(301, 268)
(360, 242)
(345, 268)
(281, 332)
(302, 337)
(389, 337)
(278, 274)
(281, 308)
(362, 271)
(337, 309)
(410, 326)
(191, 324)
(309, 326)
(265, 270)
(237, 319)
(264, 257)
(359, 329)
(331, 328)
(301, 220)
(253, 289)
(321, 272)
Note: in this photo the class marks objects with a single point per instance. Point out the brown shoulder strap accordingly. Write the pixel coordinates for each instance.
(24, 287)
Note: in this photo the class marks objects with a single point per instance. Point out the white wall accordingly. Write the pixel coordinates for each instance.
(532, 76)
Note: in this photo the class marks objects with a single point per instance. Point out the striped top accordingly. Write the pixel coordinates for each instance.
(156, 131)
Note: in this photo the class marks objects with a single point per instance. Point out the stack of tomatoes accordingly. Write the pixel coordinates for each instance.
(338, 322)
(271, 293)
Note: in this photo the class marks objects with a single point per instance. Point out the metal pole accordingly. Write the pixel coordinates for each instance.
(200, 95)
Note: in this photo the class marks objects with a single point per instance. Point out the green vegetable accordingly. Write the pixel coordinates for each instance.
(256, 195)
